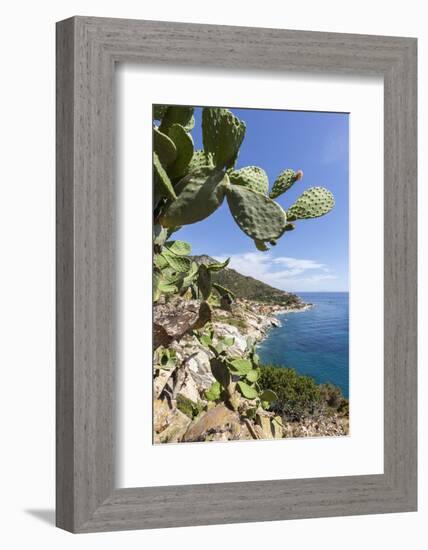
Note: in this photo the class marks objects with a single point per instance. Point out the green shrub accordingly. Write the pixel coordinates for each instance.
(299, 395)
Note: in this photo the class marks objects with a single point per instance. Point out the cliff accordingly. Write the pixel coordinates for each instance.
(183, 375)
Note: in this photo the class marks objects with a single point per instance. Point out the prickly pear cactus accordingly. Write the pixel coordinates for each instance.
(200, 194)
(190, 185)
(313, 203)
(258, 216)
(222, 134)
(162, 184)
(284, 181)
(183, 143)
(252, 177)
(175, 114)
(159, 111)
(164, 147)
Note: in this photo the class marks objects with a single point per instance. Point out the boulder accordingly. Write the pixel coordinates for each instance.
(188, 388)
(265, 425)
(229, 331)
(174, 319)
(170, 424)
(217, 424)
(160, 380)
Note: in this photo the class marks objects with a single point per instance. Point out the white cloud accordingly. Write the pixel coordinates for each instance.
(292, 274)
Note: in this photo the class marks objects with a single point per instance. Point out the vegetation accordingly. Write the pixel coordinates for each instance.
(236, 377)
(248, 287)
(188, 187)
(299, 396)
(191, 185)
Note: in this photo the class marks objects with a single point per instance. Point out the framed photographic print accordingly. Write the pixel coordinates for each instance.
(236, 274)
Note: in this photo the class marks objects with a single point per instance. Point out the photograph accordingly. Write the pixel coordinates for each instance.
(250, 274)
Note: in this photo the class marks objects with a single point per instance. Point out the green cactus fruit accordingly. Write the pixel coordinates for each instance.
(222, 134)
(284, 181)
(200, 160)
(200, 194)
(159, 111)
(184, 146)
(162, 183)
(204, 281)
(313, 203)
(247, 391)
(164, 147)
(252, 177)
(179, 248)
(176, 115)
(258, 216)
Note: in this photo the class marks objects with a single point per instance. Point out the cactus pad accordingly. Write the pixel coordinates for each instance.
(222, 134)
(179, 248)
(204, 281)
(200, 160)
(314, 202)
(284, 181)
(176, 115)
(258, 216)
(159, 111)
(200, 194)
(164, 147)
(184, 147)
(163, 185)
(253, 177)
(178, 263)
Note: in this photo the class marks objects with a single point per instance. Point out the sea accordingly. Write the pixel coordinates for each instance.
(314, 342)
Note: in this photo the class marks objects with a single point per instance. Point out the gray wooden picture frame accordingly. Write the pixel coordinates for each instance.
(87, 50)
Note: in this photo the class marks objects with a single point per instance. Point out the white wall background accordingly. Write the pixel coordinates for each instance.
(27, 271)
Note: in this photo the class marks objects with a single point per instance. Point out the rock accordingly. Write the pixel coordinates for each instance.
(199, 368)
(188, 388)
(161, 413)
(160, 381)
(169, 424)
(277, 427)
(240, 344)
(217, 424)
(173, 319)
(178, 424)
(264, 423)
(319, 426)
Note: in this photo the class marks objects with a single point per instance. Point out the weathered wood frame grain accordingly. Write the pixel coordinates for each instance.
(87, 50)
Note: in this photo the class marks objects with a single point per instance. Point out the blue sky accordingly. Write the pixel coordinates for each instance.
(313, 257)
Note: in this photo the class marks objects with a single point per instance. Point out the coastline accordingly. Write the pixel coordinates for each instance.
(181, 411)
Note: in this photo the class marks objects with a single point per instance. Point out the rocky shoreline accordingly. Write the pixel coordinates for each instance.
(181, 412)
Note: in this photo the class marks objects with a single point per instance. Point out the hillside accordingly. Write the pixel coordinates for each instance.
(250, 288)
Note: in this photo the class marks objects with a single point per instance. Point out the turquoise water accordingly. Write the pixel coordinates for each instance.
(314, 342)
